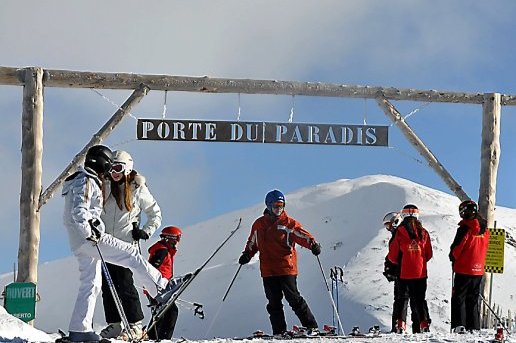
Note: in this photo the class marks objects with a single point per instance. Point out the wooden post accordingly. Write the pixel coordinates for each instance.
(32, 151)
(490, 156)
(397, 118)
(97, 138)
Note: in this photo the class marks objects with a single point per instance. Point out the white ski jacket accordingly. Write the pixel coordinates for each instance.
(119, 223)
(83, 201)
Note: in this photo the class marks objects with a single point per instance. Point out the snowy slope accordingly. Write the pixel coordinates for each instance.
(345, 217)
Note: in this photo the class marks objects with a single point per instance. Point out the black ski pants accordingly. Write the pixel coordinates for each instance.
(275, 288)
(415, 290)
(124, 284)
(164, 328)
(465, 301)
(400, 305)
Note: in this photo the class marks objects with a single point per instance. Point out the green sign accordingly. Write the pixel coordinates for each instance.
(20, 300)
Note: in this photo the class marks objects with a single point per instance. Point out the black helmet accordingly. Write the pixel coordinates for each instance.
(99, 158)
(468, 209)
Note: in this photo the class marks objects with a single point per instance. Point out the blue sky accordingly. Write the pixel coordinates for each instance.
(442, 45)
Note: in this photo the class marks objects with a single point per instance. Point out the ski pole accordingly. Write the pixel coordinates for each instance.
(329, 293)
(187, 283)
(118, 303)
(494, 313)
(231, 284)
(333, 277)
(338, 272)
(452, 291)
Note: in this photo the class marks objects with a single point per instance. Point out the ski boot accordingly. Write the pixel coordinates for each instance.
(424, 326)
(401, 326)
(113, 330)
(374, 330)
(499, 334)
(329, 330)
(355, 331)
(460, 330)
(299, 331)
(312, 332)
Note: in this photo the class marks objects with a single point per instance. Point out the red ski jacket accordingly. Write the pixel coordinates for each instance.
(410, 251)
(468, 250)
(276, 241)
(162, 258)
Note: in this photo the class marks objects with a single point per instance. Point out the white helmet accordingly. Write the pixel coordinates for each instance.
(392, 220)
(410, 211)
(121, 157)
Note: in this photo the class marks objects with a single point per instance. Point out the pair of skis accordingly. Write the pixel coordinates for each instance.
(299, 332)
(159, 312)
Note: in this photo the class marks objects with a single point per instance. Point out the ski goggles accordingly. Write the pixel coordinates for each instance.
(173, 238)
(117, 168)
(278, 204)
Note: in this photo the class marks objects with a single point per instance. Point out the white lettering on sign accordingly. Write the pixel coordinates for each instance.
(262, 132)
(22, 315)
(147, 126)
(211, 134)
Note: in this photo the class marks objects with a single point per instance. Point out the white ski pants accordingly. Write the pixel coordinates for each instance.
(114, 251)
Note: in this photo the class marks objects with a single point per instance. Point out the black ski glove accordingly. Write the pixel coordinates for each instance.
(139, 234)
(95, 232)
(316, 248)
(390, 271)
(245, 258)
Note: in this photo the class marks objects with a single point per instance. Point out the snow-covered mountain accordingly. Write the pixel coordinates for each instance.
(345, 216)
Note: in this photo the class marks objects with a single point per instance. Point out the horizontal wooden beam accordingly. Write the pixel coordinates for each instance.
(85, 79)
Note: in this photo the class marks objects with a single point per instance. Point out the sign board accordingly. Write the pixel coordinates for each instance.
(20, 300)
(261, 132)
(495, 251)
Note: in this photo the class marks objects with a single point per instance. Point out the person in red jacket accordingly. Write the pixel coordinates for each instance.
(468, 255)
(275, 235)
(162, 258)
(409, 251)
(391, 221)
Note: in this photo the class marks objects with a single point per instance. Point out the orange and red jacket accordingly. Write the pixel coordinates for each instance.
(410, 252)
(162, 257)
(468, 250)
(276, 241)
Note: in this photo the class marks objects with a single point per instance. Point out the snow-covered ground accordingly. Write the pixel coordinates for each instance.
(345, 216)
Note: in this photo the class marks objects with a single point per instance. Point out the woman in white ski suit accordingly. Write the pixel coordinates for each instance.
(128, 198)
(83, 197)
(119, 222)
